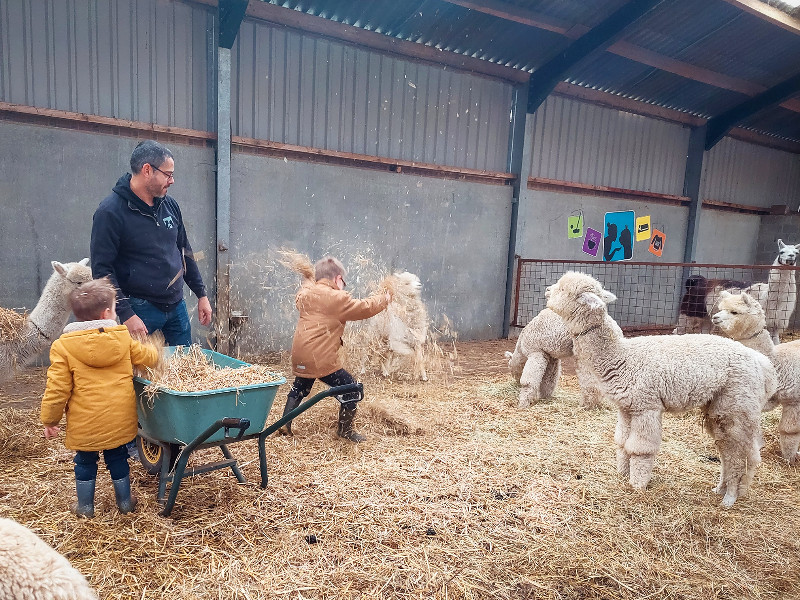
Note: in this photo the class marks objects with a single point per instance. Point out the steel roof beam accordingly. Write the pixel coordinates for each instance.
(719, 125)
(545, 79)
(231, 13)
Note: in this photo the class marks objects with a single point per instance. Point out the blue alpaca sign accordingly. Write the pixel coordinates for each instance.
(618, 236)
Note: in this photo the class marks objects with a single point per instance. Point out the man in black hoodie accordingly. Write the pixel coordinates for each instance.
(139, 241)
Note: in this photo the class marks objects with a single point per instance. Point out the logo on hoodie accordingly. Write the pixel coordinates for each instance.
(168, 222)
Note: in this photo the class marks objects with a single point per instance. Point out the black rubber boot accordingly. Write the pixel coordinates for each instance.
(347, 412)
(85, 504)
(292, 402)
(126, 502)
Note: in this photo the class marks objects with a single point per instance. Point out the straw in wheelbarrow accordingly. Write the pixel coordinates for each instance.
(190, 370)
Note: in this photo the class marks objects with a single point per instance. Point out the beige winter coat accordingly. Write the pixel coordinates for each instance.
(324, 310)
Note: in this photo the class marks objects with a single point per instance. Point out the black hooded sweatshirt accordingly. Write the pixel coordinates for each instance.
(143, 249)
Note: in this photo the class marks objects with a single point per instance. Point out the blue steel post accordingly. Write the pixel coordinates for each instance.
(516, 144)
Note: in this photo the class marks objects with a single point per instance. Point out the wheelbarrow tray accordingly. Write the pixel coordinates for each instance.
(180, 417)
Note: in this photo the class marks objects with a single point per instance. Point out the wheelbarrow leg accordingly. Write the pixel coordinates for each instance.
(262, 459)
(177, 477)
(166, 459)
(234, 467)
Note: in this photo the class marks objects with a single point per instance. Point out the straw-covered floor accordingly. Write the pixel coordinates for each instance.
(456, 494)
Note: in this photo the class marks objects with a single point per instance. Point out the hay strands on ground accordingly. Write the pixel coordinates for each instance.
(12, 325)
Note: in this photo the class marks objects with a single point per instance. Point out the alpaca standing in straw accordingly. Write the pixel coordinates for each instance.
(402, 329)
(535, 363)
(47, 320)
(30, 568)
(741, 318)
(646, 376)
(778, 296)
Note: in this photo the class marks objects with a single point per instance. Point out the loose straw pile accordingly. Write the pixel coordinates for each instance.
(190, 370)
(12, 325)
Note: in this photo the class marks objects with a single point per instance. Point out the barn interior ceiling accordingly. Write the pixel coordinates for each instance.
(734, 63)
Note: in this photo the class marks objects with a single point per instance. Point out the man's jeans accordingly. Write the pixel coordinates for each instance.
(174, 324)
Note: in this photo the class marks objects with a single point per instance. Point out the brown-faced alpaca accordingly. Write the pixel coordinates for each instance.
(47, 320)
(649, 375)
(403, 327)
(741, 318)
(778, 296)
(536, 361)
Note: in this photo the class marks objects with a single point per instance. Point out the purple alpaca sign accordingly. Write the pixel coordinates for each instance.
(591, 242)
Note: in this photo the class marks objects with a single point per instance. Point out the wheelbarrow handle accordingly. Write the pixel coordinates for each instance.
(339, 390)
(235, 423)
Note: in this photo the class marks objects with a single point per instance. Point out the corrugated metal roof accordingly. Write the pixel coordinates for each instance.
(748, 52)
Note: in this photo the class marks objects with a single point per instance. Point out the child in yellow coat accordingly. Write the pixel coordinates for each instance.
(91, 378)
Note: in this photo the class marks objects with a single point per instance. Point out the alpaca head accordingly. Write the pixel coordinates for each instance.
(407, 285)
(740, 316)
(579, 299)
(516, 364)
(74, 273)
(787, 253)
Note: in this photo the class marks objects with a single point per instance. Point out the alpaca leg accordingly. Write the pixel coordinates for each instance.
(738, 439)
(591, 397)
(550, 379)
(420, 362)
(789, 428)
(621, 436)
(642, 446)
(531, 380)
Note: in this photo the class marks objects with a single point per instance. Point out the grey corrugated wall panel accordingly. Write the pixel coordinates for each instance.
(302, 89)
(141, 60)
(743, 173)
(584, 143)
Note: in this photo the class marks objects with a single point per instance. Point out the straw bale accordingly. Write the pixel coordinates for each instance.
(12, 325)
(507, 504)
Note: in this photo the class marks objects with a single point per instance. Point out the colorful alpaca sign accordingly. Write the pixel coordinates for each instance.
(618, 240)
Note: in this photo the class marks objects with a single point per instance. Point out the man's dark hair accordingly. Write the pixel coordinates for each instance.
(149, 152)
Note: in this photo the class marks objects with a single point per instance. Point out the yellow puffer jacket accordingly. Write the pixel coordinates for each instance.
(91, 377)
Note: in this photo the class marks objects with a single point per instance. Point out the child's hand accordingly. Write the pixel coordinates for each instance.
(51, 432)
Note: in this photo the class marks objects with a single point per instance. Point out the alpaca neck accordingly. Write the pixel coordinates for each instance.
(781, 283)
(51, 313)
(594, 342)
(761, 342)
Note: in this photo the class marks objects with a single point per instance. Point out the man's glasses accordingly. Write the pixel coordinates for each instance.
(169, 175)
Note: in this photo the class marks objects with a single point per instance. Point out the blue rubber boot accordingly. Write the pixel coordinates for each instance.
(85, 505)
(126, 502)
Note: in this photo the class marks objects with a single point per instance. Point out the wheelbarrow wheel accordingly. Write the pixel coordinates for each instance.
(152, 455)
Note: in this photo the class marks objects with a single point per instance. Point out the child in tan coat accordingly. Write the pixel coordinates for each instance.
(324, 309)
(91, 378)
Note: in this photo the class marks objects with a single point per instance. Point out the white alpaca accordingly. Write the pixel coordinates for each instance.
(741, 318)
(536, 361)
(30, 569)
(47, 320)
(402, 328)
(646, 376)
(778, 296)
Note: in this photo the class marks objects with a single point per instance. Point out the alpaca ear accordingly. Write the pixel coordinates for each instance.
(591, 300)
(59, 268)
(781, 245)
(84, 262)
(608, 297)
(724, 294)
(508, 354)
(748, 300)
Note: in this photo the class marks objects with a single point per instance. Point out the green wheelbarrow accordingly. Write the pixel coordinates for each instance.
(174, 424)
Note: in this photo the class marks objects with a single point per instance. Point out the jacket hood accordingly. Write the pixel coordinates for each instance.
(101, 346)
(123, 189)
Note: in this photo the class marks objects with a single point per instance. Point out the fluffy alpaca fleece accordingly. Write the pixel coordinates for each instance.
(47, 320)
(402, 328)
(778, 296)
(648, 375)
(536, 361)
(741, 318)
(32, 570)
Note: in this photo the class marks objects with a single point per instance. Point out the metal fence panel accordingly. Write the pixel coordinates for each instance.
(649, 295)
